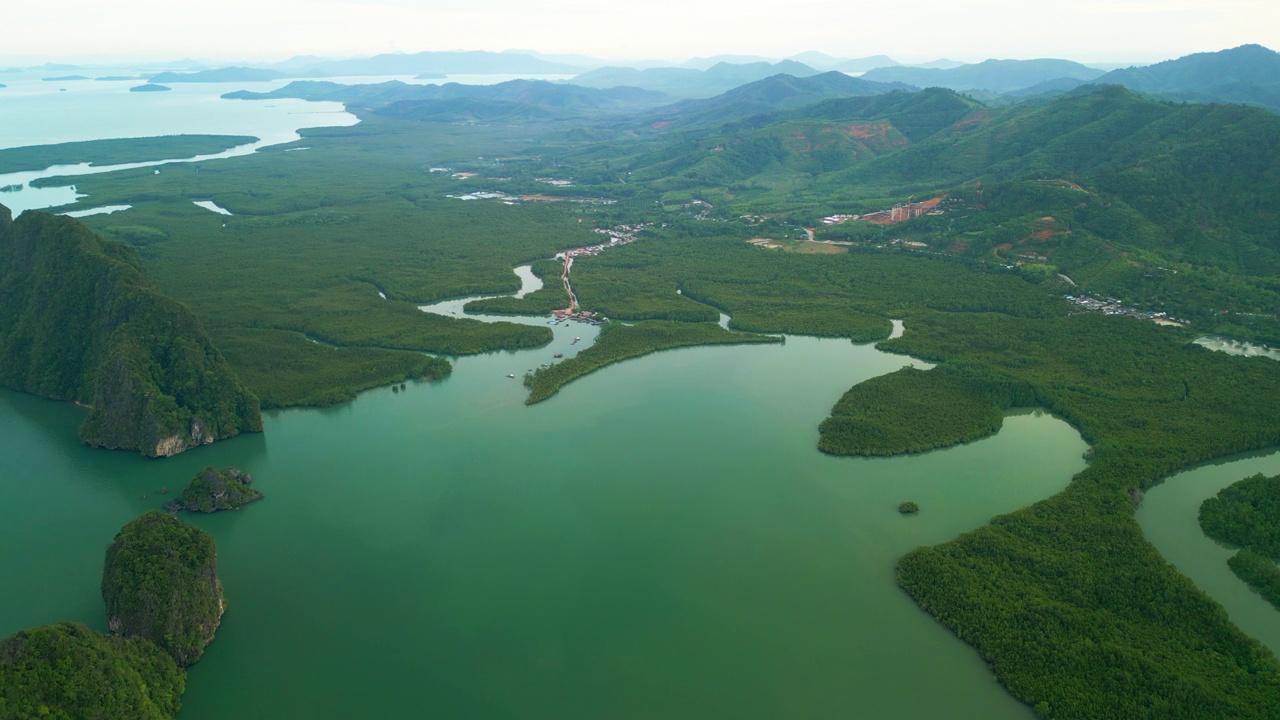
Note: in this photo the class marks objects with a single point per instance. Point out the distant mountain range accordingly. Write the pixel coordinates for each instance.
(450, 63)
(1249, 74)
(998, 76)
(537, 100)
(516, 100)
(688, 82)
(823, 61)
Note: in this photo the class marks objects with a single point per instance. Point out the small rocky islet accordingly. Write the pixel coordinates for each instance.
(213, 490)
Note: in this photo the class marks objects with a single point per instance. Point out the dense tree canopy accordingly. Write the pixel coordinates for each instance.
(68, 672)
(160, 582)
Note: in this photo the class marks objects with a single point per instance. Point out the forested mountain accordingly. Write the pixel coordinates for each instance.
(823, 61)
(1110, 188)
(539, 99)
(999, 76)
(816, 139)
(1249, 74)
(1203, 178)
(80, 320)
(1197, 182)
(779, 92)
(690, 82)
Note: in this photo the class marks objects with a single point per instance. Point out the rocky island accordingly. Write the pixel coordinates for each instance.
(160, 583)
(150, 87)
(212, 490)
(67, 670)
(81, 320)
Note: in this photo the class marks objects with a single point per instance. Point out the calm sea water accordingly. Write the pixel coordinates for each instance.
(661, 539)
(34, 111)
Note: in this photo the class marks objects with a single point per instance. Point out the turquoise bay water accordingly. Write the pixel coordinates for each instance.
(661, 539)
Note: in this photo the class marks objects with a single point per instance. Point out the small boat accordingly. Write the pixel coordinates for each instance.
(558, 355)
(511, 375)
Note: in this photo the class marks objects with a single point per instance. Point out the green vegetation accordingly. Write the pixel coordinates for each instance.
(306, 256)
(1259, 572)
(1248, 74)
(915, 411)
(539, 302)
(1075, 611)
(160, 582)
(212, 490)
(1247, 515)
(1159, 205)
(908, 507)
(68, 672)
(618, 342)
(286, 369)
(117, 152)
(80, 320)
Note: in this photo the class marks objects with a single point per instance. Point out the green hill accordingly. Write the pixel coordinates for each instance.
(774, 93)
(690, 82)
(1170, 206)
(1202, 179)
(81, 321)
(1249, 74)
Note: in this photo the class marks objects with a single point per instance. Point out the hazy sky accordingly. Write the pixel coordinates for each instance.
(970, 30)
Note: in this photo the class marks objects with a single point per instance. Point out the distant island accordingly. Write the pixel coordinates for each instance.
(430, 76)
(113, 78)
(65, 78)
(227, 74)
(150, 87)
